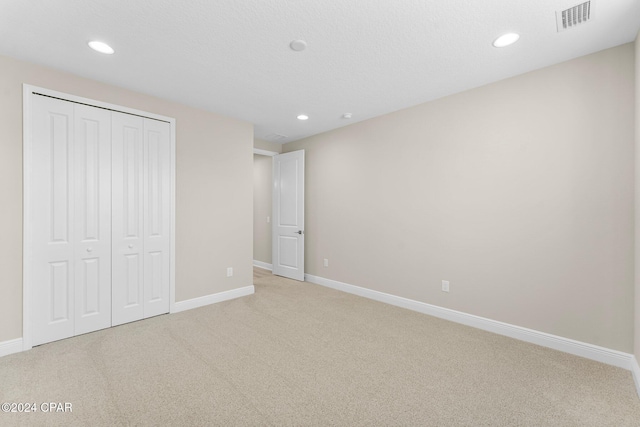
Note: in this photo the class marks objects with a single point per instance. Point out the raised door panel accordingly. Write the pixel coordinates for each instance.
(92, 243)
(52, 219)
(127, 218)
(157, 216)
(287, 173)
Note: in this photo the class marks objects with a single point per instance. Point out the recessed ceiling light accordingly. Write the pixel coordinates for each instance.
(506, 39)
(346, 116)
(101, 47)
(298, 45)
(303, 117)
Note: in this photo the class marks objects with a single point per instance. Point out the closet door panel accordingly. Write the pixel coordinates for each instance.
(52, 219)
(127, 218)
(92, 225)
(157, 221)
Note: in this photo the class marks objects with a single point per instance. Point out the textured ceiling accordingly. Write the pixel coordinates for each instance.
(365, 57)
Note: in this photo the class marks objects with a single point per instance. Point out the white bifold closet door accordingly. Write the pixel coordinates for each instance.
(71, 184)
(141, 227)
(100, 207)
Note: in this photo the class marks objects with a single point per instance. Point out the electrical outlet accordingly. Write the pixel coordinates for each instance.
(445, 286)
(229, 271)
(326, 262)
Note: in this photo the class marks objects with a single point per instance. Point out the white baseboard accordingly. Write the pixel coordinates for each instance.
(10, 347)
(212, 299)
(264, 265)
(578, 348)
(635, 370)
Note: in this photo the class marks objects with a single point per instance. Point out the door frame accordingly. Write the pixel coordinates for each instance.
(266, 153)
(27, 93)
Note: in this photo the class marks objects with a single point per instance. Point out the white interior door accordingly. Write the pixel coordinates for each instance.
(127, 218)
(157, 220)
(288, 215)
(71, 211)
(52, 210)
(92, 219)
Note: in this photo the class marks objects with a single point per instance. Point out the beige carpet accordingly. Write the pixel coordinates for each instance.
(300, 354)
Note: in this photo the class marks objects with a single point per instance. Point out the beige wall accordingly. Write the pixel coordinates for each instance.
(267, 145)
(520, 193)
(213, 179)
(262, 208)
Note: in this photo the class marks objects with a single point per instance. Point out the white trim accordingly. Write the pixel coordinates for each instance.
(263, 265)
(92, 102)
(212, 299)
(635, 370)
(578, 348)
(172, 248)
(264, 152)
(26, 216)
(10, 347)
(27, 91)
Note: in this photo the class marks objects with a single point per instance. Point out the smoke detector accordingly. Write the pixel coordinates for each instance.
(574, 16)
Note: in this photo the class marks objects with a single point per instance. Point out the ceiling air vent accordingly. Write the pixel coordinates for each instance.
(275, 137)
(574, 16)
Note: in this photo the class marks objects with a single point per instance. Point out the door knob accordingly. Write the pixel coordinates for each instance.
(89, 249)
(130, 246)
(299, 231)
